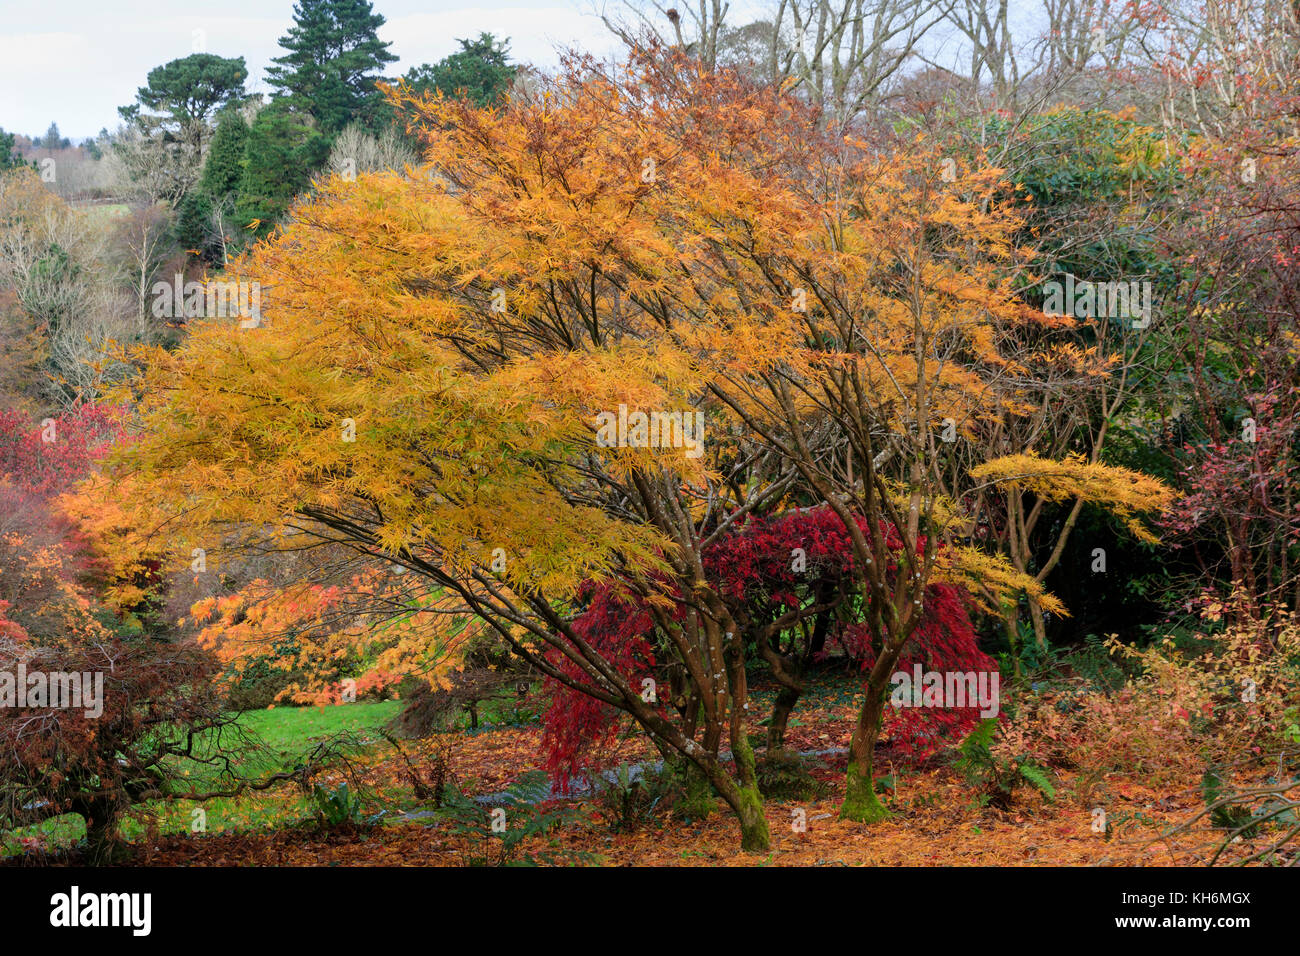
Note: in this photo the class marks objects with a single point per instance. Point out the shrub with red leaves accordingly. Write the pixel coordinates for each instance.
(773, 573)
(154, 700)
(48, 457)
(574, 723)
(154, 706)
(944, 641)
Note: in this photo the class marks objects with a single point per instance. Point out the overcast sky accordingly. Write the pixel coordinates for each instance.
(76, 61)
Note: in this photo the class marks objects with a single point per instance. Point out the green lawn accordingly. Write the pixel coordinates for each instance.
(285, 734)
(104, 212)
(293, 730)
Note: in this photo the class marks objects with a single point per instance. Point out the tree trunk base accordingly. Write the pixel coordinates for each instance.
(861, 804)
(754, 834)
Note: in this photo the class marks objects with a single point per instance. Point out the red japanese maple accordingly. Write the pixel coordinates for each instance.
(770, 571)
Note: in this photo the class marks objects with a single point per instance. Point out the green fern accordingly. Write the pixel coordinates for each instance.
(1038, 777)
(978, 742)
(502, 840)
(997, 777)
(1227, 816)
(336, 807)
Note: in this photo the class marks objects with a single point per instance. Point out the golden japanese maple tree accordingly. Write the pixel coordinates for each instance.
(441, 353)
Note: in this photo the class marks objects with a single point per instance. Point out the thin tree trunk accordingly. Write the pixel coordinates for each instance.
(786, 698)
(1011, 622)
(860, 800)
(754, 835)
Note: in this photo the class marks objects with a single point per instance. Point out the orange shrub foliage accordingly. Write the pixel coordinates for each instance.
(1237, 696)
(328, 634)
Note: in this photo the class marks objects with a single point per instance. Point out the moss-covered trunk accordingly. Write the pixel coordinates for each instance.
(746, 803)
(754, 835)
(1011, 624)
(860, 800)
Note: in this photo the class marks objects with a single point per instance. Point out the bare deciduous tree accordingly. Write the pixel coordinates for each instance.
(357, 151)
(141, 245)
(151, 168)
(54, 260)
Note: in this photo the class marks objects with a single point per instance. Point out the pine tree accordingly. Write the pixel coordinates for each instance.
(53, 139)
(333, 61)
(225, 163)
(193, 227)
(480, 70)
(281, 151)
(9, 155)
(189, 91)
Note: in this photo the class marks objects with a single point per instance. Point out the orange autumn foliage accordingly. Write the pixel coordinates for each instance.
(438, 346)
(328, 638)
